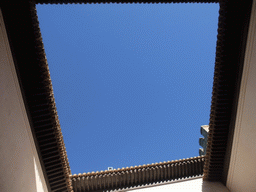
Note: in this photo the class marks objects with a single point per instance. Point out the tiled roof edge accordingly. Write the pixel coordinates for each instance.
(57, 128)
(232, 34)
(138, 175)
(121, 1)
(135, 167)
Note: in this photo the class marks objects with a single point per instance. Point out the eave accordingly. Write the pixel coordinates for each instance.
(139, 175)
(123, 2)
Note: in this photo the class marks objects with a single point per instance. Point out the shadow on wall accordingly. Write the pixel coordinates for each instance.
(194, 184)
(208, 186)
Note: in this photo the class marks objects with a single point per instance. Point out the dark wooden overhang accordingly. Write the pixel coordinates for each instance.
(122, 1)
(23, 32)
(137, 176)
(33, 73)
(233, 25)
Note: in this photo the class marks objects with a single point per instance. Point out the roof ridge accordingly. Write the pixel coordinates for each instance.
(93, 173)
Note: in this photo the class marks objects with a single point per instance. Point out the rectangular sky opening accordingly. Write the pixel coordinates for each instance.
(132, 82)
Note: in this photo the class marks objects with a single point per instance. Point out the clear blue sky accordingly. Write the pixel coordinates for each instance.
(132, 82)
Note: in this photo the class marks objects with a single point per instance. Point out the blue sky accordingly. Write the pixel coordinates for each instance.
(132, 82)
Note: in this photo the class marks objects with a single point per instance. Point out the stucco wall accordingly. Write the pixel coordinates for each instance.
(242, 170)
(191, 185)
(20, 170)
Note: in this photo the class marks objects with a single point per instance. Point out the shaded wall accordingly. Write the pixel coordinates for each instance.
(19, 163)
(242, 168)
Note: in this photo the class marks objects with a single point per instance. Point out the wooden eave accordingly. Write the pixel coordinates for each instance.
(121, 1)
(29, 57)
(137, 176)
(234, 17)
(25, 39)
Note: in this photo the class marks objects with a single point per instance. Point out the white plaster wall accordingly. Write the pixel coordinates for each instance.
(20, 170)
(242, 170)
(189, 185)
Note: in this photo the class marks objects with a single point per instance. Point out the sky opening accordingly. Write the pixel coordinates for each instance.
(132, 82)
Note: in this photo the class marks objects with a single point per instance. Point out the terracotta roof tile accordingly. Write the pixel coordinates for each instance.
(138, 175)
